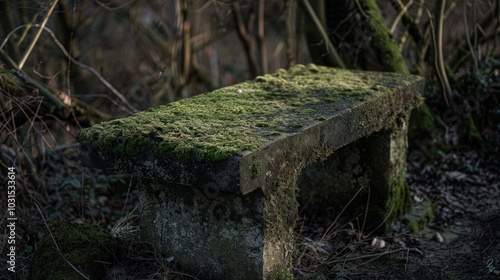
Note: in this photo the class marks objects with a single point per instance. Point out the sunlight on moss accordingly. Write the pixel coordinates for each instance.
(230, 120)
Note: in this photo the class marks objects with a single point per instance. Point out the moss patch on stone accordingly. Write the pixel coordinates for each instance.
(228, 121)
(398, 200)
(255, 170)
(85, 246)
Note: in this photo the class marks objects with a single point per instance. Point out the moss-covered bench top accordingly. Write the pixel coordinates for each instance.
(234, 138)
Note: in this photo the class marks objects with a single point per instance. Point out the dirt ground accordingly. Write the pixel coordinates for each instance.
(462, 242)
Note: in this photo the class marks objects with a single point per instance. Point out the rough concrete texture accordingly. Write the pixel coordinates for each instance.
(215, 235)
(223, 166)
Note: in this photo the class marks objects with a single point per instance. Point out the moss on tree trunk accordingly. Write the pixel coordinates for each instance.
(382, 41)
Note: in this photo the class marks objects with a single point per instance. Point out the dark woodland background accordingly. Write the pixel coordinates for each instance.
(65, 65)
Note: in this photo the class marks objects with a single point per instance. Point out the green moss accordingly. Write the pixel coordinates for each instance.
(216, 125)
(255, 170)
(86, 247)
(422, 123)
(414, 227)
(473, 134)
(420, 216)
(331, 99)
(389, 203)
(10, 84)
(398, 200)
(282, 275)
(348, 93)
(382, 41)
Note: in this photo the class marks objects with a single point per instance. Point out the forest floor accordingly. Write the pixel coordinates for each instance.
(462, 241)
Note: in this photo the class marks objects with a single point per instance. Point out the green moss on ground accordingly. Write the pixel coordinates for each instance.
(85, 246)
(422, 123)
(473, 135)
(228, 121)
(419, 217)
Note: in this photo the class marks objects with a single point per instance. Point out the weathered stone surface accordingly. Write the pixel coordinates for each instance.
(217, 235)
(219, 171)
(227, 139)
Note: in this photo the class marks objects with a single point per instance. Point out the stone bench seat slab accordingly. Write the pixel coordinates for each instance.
(225, 138)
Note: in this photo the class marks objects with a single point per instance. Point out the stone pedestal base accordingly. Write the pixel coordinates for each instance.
(218, 235)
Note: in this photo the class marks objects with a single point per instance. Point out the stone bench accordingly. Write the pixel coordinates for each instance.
(218, 172)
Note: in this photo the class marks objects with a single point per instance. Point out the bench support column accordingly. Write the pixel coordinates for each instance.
(218, 235)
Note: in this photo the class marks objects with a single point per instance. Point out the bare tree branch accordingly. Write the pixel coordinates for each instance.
(333, 55)
(245, 37)
(440, 69)
(261, 40)
(37, 36)
(131, 109)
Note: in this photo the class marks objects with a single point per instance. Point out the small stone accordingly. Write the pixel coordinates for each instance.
(239, 90)
(378, 243)
(418, 199)
(438, 237)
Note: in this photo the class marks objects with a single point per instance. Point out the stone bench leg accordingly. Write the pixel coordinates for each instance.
(375, 166)
(216, 235)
